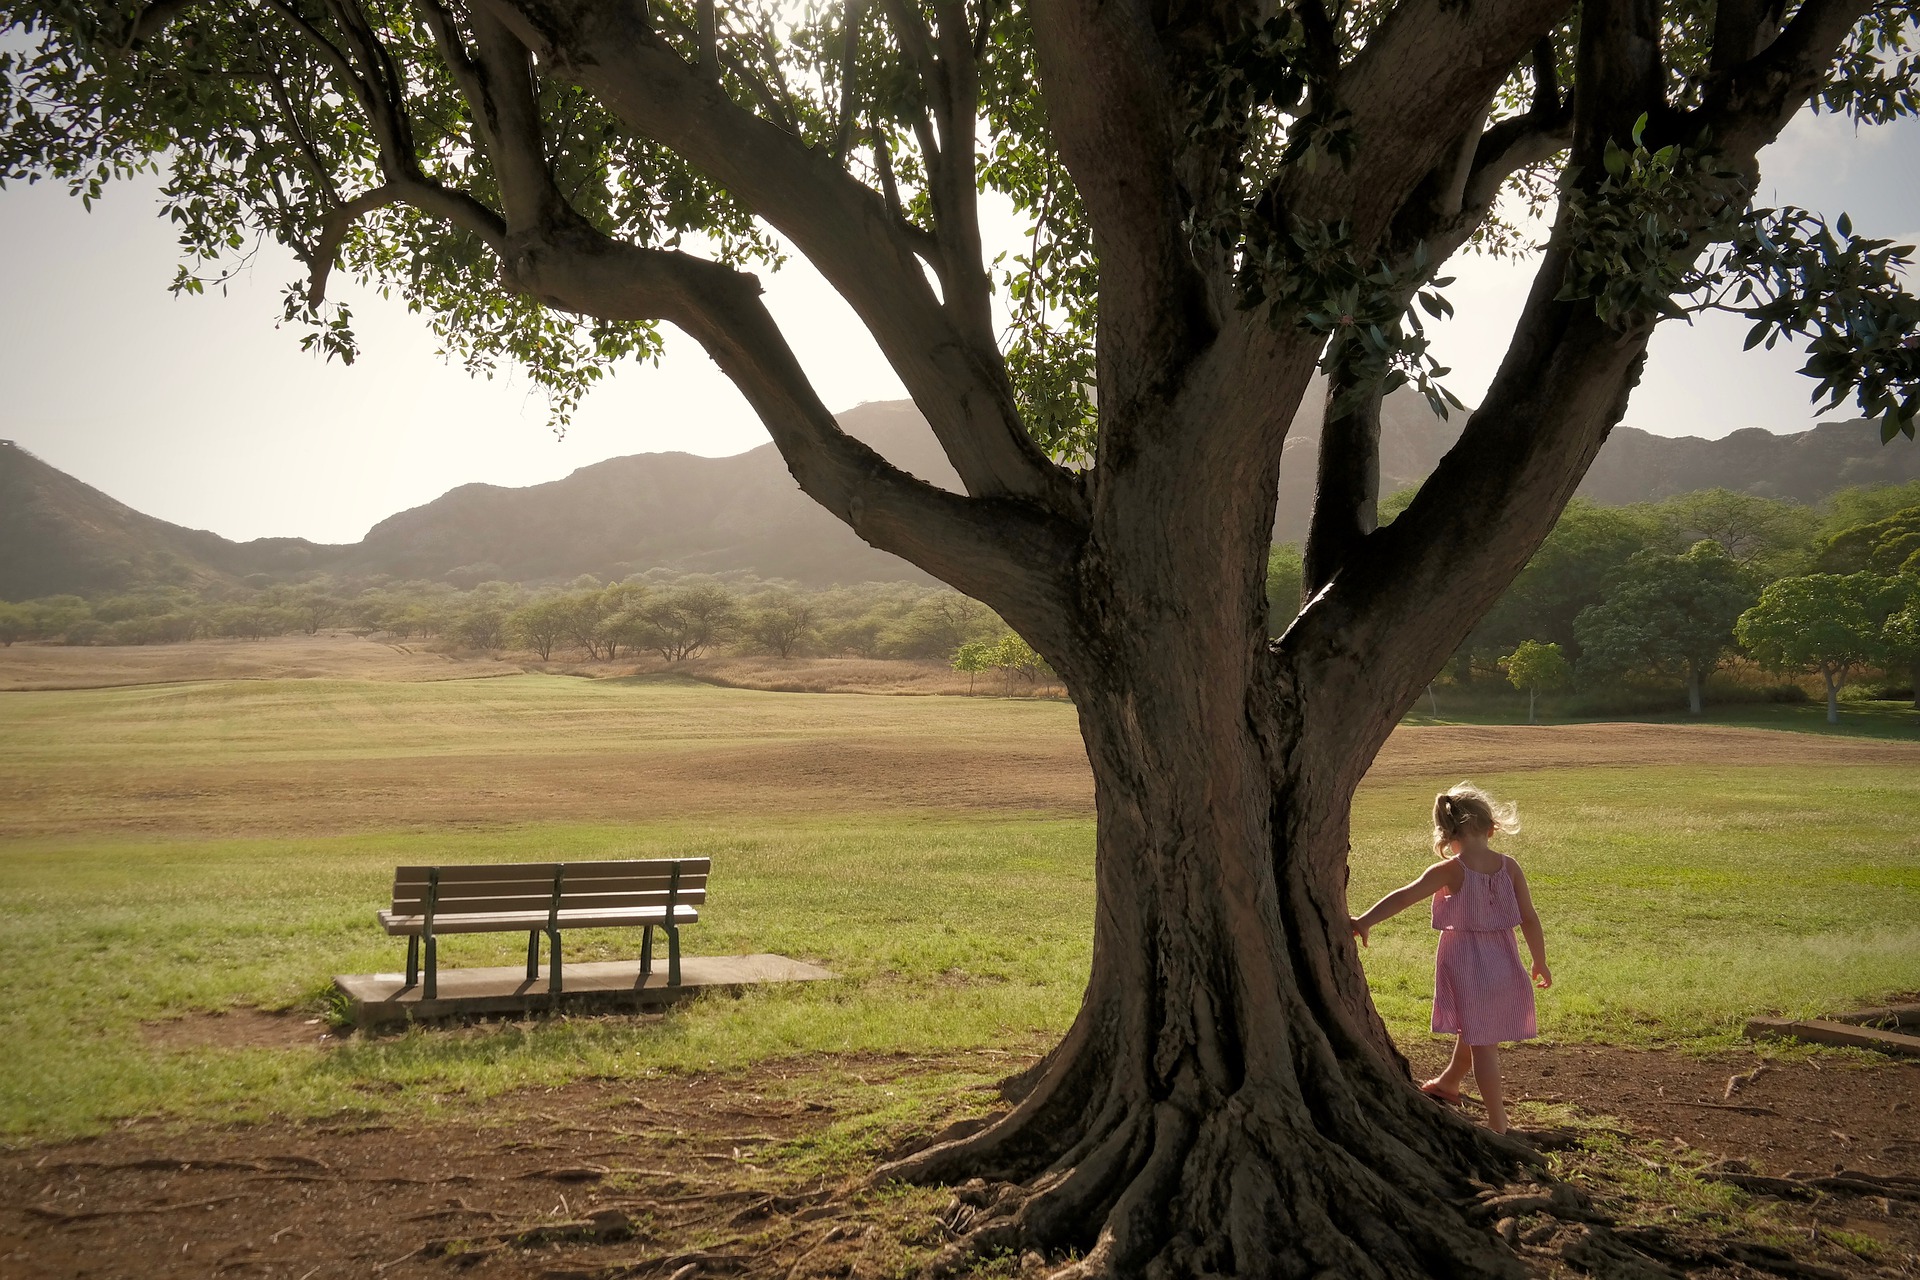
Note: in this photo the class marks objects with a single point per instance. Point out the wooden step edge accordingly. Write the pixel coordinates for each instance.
(1828, 1032)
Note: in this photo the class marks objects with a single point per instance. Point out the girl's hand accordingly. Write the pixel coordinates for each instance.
(1360, 930)
(1542, 976)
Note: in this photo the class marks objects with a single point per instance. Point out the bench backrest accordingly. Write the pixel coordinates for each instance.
(529, 886)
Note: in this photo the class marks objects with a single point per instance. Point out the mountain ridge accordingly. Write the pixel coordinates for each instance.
(745, 512)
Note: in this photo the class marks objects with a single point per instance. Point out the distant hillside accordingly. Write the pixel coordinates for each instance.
(677, 510)
(745, 512)
(1633, 466)
(59, 536)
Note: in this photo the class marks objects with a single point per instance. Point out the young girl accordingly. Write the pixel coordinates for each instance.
(1480, 992)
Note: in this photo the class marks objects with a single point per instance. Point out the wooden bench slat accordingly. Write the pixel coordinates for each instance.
(486, 871)
(591, 884)
(533, 921)
(445, 908)
(585, 871)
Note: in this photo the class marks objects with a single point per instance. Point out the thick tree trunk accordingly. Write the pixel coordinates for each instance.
(1227, 1103)
(1915, 673)
(1833, 697)
(1694, 702)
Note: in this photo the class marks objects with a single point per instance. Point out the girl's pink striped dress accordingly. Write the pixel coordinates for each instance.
(1480, 989)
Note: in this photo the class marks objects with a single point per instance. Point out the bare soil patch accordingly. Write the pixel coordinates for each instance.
(646, 1178)
(1801, 1113)
(241, 1028)
(329, 655)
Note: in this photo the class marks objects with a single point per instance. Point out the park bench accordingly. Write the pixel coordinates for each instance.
(545, 897)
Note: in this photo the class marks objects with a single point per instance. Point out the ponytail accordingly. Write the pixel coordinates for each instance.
(1466, 810)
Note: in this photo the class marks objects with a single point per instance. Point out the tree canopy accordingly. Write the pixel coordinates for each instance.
(1668, 614)
(1827, 624)
(1536, 668)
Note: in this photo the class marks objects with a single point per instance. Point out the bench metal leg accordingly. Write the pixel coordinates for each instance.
(646, 952)
(413, 959)
(673, 954)
(553, 956)
(433, 969)
(533, 954)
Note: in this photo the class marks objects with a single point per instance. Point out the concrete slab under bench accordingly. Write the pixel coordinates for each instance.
(377, 999)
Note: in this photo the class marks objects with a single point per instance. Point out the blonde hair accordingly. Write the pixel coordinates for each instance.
(1466, 810)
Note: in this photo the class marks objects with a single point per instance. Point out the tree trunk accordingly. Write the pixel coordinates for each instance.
(1694, 703)
(1227, 1103)
(1916, 685)
(1531, 695)
(1833, 697)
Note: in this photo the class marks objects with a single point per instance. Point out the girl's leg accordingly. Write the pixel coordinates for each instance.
(1486, 1073)
(1458, 1066)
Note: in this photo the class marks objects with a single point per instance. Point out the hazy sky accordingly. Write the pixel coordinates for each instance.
(199, 411)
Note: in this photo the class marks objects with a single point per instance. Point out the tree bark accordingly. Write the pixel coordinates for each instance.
(1694, 701)
(1833, 697)
(1227, 1103)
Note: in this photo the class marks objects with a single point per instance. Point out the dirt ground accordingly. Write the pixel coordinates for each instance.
(681, 1176)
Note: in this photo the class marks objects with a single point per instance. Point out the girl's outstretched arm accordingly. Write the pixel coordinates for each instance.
(1530, 928)
(1441, 875)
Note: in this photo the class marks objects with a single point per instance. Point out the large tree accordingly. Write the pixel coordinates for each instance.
(1224, 195)
(1672, 615)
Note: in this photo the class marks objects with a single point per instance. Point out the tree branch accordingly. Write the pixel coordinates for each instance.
(842, 226)
(955, 188)
(1006, 553)
(149, 20)
(1749, 105)
(399, 165)
(333, 232)
(708, 18)
(1418, 85)
(1507, 148)
(855, 11)
(1409, 593)
(501, 98)
(1111, 108)
(1346, 501)
(1620, 77)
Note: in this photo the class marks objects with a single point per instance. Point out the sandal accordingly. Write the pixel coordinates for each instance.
(1440, 1093)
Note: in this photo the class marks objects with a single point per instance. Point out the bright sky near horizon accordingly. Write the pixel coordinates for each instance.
(199, 411)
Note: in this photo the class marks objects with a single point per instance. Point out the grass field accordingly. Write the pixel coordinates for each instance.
(180, 848)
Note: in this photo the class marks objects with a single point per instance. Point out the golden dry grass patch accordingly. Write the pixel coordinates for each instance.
(328, 655)
(320, 756)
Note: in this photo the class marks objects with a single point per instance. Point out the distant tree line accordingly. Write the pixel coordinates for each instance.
(676, 616)
(1626, 605)
(1641, 603)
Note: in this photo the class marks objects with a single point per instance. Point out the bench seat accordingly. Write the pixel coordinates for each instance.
(545, 898)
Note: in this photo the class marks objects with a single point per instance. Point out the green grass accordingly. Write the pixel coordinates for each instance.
(217, 722)
(1677, 901)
